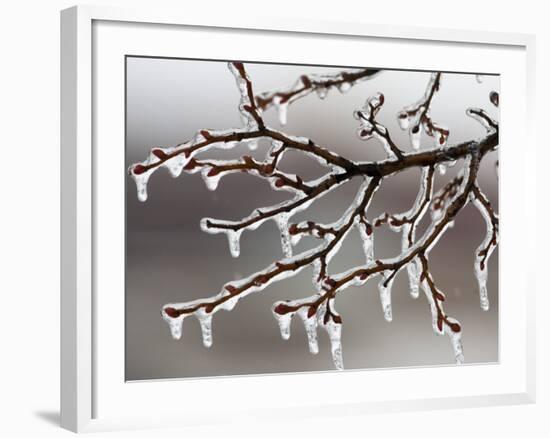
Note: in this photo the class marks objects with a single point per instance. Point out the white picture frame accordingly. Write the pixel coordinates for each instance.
(93, 397)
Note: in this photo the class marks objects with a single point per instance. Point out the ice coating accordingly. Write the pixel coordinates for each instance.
(312, 314)
(482, 117)
(384, 289)
(416, 117)
(242, 85)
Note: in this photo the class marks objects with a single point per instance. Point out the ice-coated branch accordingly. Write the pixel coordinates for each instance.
(486, 248)
(307, 84)
(417, 116)
(370, 128)
(318, 309)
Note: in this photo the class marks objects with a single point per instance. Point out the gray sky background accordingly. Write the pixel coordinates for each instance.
(169, 259)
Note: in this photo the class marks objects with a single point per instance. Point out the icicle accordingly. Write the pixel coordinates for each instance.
(282, 223)
(310, 324)
(384, 289)
(479, 79)
(284, 324)
(175, 324)
(205, 320)
(141, 184)
(334, 331)
(282, 109)
(442, 169)
(366, 233)
(234, 239)
(456, 342)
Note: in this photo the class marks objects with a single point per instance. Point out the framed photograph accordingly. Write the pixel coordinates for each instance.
(260, 217)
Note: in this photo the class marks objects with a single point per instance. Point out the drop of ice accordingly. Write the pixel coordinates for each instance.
(403, 120)
(322, 92)
(252, 144)
(344, 87)
(442, 169)
(479, 79)
(384, 288)
(234, 239)
(211, 181)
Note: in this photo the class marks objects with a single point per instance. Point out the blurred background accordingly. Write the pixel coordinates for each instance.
(169, 259)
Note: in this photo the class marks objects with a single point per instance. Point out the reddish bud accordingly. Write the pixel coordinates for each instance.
(363, 276)
(415, 129)
(282, 309)
(269, 169)
(160, 154)
(442, 139)
(171, 312)
(364, 133)
(311, 311)
(368, 229)
(230, 288)
(213, 172)
(330, 282)
(306, 81)
(482, 266)
(455, 327)
(209, 307)
(293, 229)
(279, 183)
(440, 323)
(440, 296)
(206, 134)
(337, 319)
(138, 169)
(191, 164)
(248, 159)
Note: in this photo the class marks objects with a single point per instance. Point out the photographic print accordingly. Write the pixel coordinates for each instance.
(286, 218)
